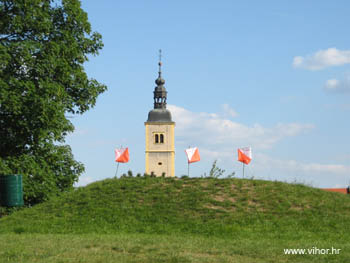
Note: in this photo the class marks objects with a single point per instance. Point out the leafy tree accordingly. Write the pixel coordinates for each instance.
(47, 172)
(44, 44)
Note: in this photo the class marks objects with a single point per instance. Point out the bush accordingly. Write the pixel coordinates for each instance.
(47, 171)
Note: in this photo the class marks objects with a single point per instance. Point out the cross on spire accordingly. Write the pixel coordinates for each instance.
(160, 62)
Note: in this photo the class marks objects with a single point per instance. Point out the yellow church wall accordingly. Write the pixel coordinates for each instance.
(147, 142)
(163, 153)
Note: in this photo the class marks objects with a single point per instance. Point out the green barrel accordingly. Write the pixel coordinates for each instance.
(11, 190)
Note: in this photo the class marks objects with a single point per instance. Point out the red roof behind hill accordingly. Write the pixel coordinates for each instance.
(338, 190)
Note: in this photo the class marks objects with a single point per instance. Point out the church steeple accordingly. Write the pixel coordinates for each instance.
(160, 112)
(160, 133)
(160, 93)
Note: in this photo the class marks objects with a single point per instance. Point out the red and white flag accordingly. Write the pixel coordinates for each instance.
(245, 155)
(193, 155)
(122, 155)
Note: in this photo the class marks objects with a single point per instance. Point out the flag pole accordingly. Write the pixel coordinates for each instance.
(188, 169)
(243, 170)
(188, 163)
(116, 172)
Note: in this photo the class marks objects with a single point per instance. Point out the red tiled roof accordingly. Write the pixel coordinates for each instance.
(338, 190)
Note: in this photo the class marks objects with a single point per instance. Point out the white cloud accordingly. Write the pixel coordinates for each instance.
(209, 129)
(341, 86)
(228, 111)
(325, 168)
(322, 59)
(332, 84)
(218, 139)
(299, 167)
(315, 174)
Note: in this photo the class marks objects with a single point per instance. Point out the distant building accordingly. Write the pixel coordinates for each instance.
(160, 148)
(338, 190)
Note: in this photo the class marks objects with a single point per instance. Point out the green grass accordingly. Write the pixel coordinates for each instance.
(179, 220)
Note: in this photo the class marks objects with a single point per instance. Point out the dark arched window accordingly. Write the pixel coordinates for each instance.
(161, 138)
(156, 138)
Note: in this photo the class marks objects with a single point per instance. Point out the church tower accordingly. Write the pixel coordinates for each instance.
(160, 149)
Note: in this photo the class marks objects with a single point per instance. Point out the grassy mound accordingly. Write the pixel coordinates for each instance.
(214, 207)
(180, 220)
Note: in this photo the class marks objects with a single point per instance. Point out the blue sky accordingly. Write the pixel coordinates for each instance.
(273, 75)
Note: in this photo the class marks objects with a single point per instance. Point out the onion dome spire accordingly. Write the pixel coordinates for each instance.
(160, 93)
(160, 113)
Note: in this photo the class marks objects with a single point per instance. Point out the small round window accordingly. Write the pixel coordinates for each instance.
(159, 163)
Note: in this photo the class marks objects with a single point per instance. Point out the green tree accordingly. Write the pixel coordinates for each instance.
(44, 44)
